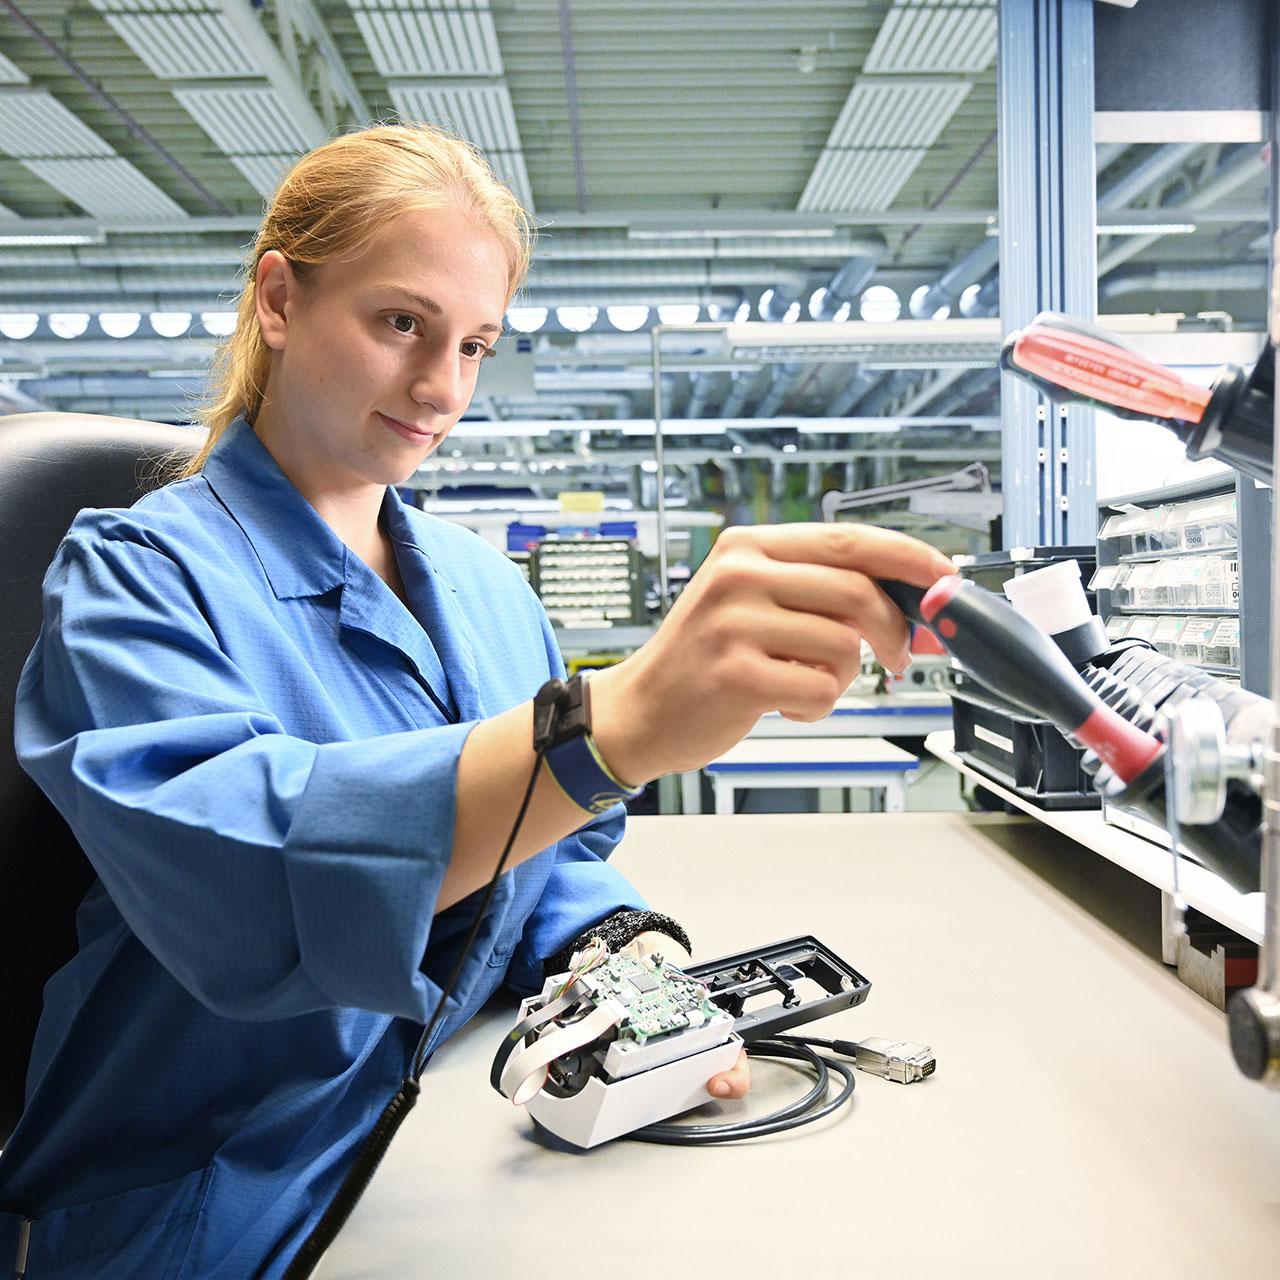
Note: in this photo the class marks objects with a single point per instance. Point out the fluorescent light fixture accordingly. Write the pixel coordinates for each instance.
(1147, 228)
(743, 314)
(715, 233)
(68, 324)
(577, 319)
(171, 324)
(678, 313)
(119, 324)
(220, 324)
(175, 373)
(627, 319)
(526, 319)
(879, 305)
(793, 314)
(17, 326)
(766, 300)
(11, 240)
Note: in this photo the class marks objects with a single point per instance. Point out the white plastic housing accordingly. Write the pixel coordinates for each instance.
(1052, 597)
(601, 1111)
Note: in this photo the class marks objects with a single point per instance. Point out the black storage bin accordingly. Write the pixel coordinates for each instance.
(1024, 755)
(1021, 753)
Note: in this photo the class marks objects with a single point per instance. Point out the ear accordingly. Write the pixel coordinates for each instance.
(275, 287)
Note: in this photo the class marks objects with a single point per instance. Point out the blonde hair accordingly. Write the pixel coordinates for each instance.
(330, 205)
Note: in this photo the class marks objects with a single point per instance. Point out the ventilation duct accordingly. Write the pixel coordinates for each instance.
(846, 285)
(1166, 279)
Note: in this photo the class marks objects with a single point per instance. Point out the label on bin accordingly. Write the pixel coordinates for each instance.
(996, 739)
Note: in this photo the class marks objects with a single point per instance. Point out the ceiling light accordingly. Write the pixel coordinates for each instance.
(1147, 228)
(880, 304)
(11, 240)
(69, 324)
(577, 319)
(743, 313)
(678, 313)
(716, 233)
(119, 324)
(18, 326)
(171, 324)
(627, 319)
(220, 324)
(526, 319)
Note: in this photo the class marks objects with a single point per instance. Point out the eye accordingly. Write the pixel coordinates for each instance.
(473, 349)
(403, 322)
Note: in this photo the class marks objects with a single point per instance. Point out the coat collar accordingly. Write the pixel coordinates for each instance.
(299, 553)
(301, 556)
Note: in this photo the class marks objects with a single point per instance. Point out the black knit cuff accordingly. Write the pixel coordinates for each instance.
(617, 930)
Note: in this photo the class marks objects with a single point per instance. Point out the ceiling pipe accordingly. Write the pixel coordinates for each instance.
(854, 390)
(947, 289)
(743, 384)
(846, 285)
(1174, 279)
(586, 275)
(699, 394)
(784, 381)
(982, 258)
(1241, 165)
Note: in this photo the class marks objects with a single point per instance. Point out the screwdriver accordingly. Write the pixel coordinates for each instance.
(1010, 654)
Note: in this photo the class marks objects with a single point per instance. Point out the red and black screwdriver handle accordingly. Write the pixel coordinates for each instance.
(1010, 654)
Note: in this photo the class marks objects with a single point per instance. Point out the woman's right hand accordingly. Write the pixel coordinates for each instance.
(772, 621)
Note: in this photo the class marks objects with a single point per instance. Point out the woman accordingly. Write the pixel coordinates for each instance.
(289, 720)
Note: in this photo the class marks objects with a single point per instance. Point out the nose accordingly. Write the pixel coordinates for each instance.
(438, 383)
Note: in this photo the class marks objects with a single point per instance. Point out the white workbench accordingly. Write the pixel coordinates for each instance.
(1203, 890)
(1085, 1121)
(842, 764)
(899, 715)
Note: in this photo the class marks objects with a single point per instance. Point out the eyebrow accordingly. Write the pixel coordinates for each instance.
(432, 307)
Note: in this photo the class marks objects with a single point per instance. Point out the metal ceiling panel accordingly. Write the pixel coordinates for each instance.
(858, 179)
(264, 172)
(243, 120)
(35, 125)
(108, 187)
(918, 35)
(418, 38)
(184, 46)
(480, 113)
(888, 113)
(11, 73)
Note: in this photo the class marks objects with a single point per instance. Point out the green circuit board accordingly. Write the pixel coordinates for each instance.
(657, 1000)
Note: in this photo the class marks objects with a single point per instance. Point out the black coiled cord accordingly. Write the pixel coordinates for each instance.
(813, 1106)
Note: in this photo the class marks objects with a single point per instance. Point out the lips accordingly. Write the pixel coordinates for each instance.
(406, 429)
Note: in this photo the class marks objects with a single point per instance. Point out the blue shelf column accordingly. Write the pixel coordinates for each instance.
(1048, 256)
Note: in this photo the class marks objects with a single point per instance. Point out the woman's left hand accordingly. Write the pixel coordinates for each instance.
(728, 1084)
(734, 1083)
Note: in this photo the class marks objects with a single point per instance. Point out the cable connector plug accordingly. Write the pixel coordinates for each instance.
(900, 1060)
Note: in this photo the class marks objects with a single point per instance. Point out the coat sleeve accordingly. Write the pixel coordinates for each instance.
(581, 889)
(272, 876)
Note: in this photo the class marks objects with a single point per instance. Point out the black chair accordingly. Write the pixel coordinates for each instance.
(51, 466)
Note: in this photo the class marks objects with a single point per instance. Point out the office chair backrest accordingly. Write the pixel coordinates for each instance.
(51, 466)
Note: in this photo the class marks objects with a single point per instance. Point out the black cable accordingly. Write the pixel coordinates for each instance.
(375, 1145)
(813, 1106)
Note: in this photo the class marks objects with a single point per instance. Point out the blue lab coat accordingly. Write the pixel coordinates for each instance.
(257, 743)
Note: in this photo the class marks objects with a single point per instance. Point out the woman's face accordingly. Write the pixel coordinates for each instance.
(376, 356)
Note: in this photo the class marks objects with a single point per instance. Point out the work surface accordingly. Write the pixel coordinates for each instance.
(1086, 1119)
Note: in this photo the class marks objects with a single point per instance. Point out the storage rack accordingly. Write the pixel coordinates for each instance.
(588, 582)
(1174, 564)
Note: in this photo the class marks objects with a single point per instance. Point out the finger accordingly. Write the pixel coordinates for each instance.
(797, 691)
(847, 596)
(733, 1083)
(879, 553)
(793, 636)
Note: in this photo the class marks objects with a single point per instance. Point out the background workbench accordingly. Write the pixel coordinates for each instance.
(1085, 1119)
